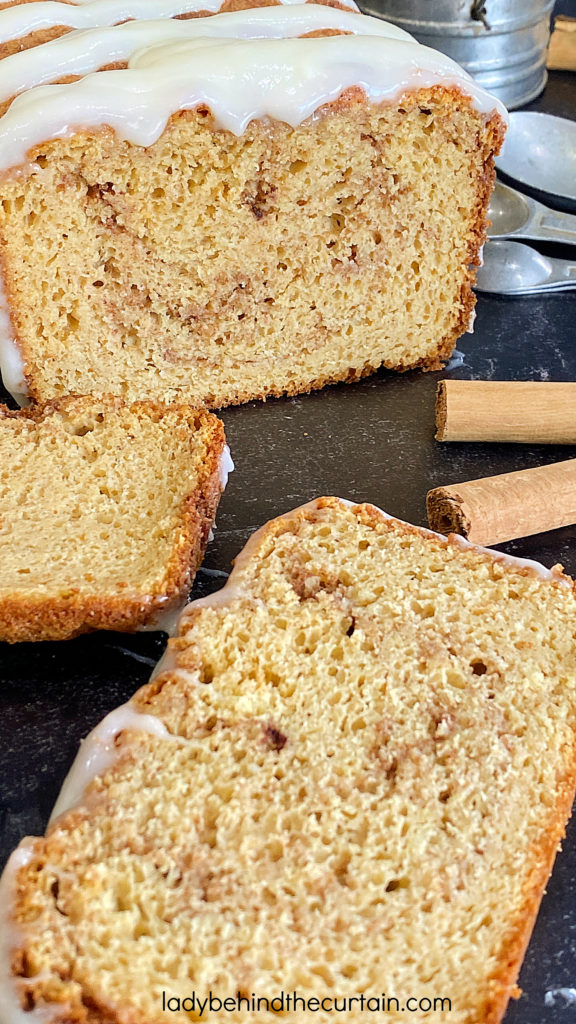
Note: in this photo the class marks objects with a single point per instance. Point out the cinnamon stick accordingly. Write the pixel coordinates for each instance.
(524, 411)
(499, 508)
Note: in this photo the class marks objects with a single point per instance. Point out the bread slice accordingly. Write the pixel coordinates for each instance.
(266, 216)
(105, 511)
(348, 779)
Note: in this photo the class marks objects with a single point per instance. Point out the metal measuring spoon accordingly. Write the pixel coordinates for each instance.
(511, 268)
(540, 151)
(514, 215)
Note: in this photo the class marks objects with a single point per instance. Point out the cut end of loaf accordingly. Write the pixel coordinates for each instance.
(105, 510)
(307, 255)
(364, 764)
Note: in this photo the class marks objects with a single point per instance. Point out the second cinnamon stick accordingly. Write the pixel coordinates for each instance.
(535, 412)
(500, 508)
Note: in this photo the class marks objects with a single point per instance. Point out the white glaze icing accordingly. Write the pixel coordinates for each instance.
(19, 20)
(285, 79)
(78, 53)
(167, 662)
(560, 997)
(457, 359)
(97, 753)
(225, 467)
(165, 621)
(11, 363)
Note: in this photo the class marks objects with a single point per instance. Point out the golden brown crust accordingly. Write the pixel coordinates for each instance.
(41, 35)
(515, 943)
(57, 617)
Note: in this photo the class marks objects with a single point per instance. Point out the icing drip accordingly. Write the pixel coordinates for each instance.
(78, 53)
(225, 467)
(458, 359)
(21, 19)
(285, 79)
(165, 622)
(18, 21)
(167, 662)
(98, 753)
(11, 365)
(562, 997)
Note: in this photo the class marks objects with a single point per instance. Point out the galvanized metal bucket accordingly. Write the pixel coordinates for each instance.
(501, 43)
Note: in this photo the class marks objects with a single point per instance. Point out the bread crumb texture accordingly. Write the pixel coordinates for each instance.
(105, 510)
(216, 268)
(370, 765)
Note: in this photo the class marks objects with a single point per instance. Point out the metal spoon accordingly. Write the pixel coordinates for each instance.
(540, 151)
(514, 215)
(511, 268)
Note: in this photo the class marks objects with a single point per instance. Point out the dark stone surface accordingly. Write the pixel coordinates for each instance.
(566, 8)
(374, 441)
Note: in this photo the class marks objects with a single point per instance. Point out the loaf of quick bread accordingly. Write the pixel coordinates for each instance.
(105, 510)
(231, 218)
(346, 784)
